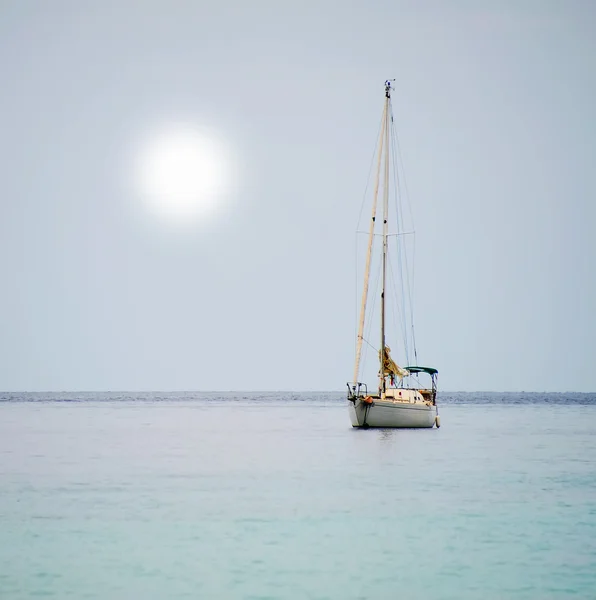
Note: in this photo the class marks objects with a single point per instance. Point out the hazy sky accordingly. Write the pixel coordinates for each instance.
(495, 107)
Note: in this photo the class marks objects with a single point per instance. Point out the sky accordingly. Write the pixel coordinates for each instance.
(494, 107)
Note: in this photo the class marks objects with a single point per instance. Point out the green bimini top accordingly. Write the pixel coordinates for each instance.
(428, 370)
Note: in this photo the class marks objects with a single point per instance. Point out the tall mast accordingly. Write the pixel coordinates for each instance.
(382, 381)
(371, 232)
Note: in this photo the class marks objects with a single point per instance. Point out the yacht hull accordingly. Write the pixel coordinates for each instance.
(382, 413)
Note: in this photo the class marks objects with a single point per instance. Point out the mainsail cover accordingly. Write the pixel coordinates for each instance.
(390, 369)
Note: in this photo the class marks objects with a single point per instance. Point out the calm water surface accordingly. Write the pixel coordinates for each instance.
(118, 496)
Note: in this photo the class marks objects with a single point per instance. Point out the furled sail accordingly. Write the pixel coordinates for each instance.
(390, 369)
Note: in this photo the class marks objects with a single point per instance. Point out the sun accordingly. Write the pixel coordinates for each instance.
(180, 172)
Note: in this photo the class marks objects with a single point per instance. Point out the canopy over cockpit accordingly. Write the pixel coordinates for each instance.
(428, 370)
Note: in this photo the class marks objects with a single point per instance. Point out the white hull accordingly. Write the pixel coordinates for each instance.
(386, 413)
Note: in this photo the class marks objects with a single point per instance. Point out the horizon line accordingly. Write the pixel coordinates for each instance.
(270, 391)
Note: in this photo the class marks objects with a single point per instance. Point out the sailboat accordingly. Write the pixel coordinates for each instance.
(401, 398)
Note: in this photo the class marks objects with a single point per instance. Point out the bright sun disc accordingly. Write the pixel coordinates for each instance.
(180, 172)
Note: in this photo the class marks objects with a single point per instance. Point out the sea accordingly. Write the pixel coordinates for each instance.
(111, 496)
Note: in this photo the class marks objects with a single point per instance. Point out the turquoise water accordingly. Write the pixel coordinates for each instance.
(109, 496)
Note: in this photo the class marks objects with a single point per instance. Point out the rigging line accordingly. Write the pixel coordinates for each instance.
(400, 220)
(395, 313)
(395, 143)
(409, 294)
(372, 161)
(396, 177)
(397, 195)
(402, 312)
(395, 138)
(402, 263)
(412, 311)
(410, 287)
(410, 290)
(356, 302)
(367, 342)
(399, 308)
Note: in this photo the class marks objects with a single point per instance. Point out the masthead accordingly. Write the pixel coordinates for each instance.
(388, 88)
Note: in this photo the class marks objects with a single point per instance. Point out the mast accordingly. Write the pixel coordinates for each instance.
(382, 381)
(370, 245)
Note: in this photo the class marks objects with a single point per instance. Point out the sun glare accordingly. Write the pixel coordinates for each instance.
(181, 172)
